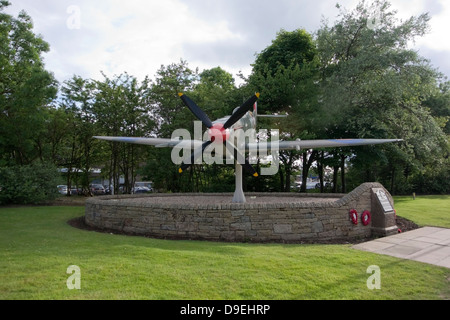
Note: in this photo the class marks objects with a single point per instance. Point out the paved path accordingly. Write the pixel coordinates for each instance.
(429, 244)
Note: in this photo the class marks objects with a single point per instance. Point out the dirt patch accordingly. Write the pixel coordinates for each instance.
(405, 224)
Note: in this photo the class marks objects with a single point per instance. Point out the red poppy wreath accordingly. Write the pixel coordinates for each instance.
(354, 216)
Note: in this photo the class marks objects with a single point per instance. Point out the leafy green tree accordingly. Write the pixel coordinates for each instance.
(286, 74)
(79, 152)
(215, 93)
(168, 114)
(374, 86)
(439, 106)
(54, 142)
(169, 111)
(287, 49)
(122, 107)
(282, 71)
(26, 88)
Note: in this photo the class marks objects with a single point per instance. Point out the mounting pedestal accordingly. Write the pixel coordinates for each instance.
(239, 196)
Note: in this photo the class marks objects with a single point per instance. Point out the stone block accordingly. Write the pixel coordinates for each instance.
(241, 226)
(282, 228)
(317, 226)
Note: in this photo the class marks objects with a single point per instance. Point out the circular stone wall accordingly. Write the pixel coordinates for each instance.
(266, 217)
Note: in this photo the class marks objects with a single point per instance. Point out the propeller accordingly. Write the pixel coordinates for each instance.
(247, 106)
(238, 156)
(196, 110)
(219, 129)
(197, 153)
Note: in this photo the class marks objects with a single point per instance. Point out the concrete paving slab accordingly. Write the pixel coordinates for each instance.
(428, 239)
(373, 246)
(429, 245)
(401, 251)
(392, 240)
(433, 255)
(441, 235)
(418, 244)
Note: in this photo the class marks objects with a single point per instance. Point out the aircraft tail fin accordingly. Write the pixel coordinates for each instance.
(256, 115)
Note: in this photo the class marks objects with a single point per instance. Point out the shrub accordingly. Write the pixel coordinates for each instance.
(435, 181)
(31, 184)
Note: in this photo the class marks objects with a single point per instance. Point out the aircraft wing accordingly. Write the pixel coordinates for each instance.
(312, 144)
(157, 142)
(282, 145)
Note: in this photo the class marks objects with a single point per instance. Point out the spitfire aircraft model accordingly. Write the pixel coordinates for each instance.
(223, 134)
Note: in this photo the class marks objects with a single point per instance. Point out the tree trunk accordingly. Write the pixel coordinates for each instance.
(287, 187)
(320, 169)
(307, 162)
(335, 178)
(288, 169)
(280, 173)
(343, 173)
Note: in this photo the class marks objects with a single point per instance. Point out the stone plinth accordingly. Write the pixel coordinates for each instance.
(266, 217)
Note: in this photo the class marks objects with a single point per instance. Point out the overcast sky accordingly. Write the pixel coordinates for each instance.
(138, 36)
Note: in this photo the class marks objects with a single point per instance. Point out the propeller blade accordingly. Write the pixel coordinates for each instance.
(237, 155)
(196, 110)
(194, 156)
(235, 117)
(249, 168)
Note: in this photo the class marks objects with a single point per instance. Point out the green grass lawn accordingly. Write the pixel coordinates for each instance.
(425, 210)
(37, 246)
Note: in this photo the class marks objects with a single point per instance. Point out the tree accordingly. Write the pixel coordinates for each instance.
(169, 114)
(287, 49)
(282, 70)
(286, 75)
(77, 103)
(439, 106)
(214, 92)
(374, 86)
(122, 107)
(26, 88)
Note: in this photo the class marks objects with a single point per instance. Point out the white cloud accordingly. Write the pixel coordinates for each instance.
(434, 45)
(437, 39)
(139, 36)
(439, 11)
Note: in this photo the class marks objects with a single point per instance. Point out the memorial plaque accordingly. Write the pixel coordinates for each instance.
(383, 215)
(384, 201)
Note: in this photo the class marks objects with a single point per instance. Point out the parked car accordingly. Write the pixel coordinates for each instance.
(74, 191)
(327, 185)
(62, 189)
(108, 189)
(142, 187)
(97, 189)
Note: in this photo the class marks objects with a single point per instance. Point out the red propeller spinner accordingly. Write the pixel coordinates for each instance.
(218, 132)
